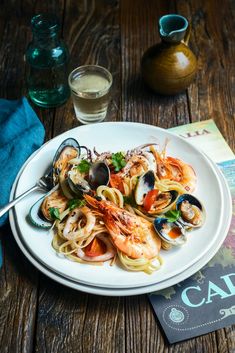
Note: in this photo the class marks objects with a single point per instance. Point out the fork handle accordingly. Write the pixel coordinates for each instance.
(4, 209)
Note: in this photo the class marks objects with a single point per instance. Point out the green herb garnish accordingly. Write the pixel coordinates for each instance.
(74, 203)
(172, 215)
(84, 166)
(129, 200)
(54, 213)
(118, 160)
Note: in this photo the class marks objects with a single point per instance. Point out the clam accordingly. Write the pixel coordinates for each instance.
(192, 213)
(171, 232)
(144, 185)
(99, 174)
(165, 200)
(67, 150)
(77, 183)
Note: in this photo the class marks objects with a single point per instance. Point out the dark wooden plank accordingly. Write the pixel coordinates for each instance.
(60, 320)
(91, 32)
(143, 334)
(18, 298)
(19, 279)
(226, 339)
(138, 32)
(212, 40)
(71, 321)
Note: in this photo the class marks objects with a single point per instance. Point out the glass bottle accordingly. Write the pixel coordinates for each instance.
(47, 57)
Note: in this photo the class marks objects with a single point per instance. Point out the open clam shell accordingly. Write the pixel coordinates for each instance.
(99, 174)
(171, 232)
(77, 183)
(192, 211)
(144, 185)
(165, 201)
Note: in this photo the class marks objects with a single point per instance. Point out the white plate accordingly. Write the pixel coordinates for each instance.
(116, 137)
(131, 291)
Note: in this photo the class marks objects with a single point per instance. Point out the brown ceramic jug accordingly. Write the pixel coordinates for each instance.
(170, 66)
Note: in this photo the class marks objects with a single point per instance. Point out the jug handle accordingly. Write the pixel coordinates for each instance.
(187, 35)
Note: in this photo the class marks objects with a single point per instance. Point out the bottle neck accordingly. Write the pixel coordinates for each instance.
(46, 40)
(45, 28)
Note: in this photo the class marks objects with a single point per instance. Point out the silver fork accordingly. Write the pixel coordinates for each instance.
(44, 183)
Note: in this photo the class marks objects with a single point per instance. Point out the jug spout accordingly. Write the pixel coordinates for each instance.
(173, 28)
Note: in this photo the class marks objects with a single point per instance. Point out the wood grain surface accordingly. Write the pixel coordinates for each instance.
(36, 313)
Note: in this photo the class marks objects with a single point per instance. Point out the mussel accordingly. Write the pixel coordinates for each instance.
(171, 232)
(39, 214)
(36, 217)
(192, 213)
(144, 185)
(67, 150)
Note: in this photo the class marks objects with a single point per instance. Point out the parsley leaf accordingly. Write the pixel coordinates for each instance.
(118, 160)
(84, 166)
(172, 215)
(74, 203)
(129, 200)
(54, 213)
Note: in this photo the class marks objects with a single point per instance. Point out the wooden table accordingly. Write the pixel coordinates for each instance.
(37, 314)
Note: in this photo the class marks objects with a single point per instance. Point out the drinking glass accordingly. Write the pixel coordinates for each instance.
(90, 86)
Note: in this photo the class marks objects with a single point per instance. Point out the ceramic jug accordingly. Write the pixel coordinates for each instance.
(170, 66)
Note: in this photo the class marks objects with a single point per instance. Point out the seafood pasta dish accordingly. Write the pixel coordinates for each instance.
(123, 207)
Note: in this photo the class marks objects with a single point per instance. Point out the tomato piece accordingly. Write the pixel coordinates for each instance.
(150, 198)
(174, 232)
(116, 182)
(95, 248)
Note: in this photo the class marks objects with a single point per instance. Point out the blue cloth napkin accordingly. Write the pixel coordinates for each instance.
(21, 133)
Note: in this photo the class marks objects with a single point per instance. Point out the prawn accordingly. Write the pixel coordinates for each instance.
(130, 233)
(187, 176)
(176, 170)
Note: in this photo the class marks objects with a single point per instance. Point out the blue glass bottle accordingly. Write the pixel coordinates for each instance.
(47, 57)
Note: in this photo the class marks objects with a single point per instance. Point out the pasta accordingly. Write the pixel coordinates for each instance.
(121, 207)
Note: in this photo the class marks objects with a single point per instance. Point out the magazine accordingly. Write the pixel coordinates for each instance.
(206, 301)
